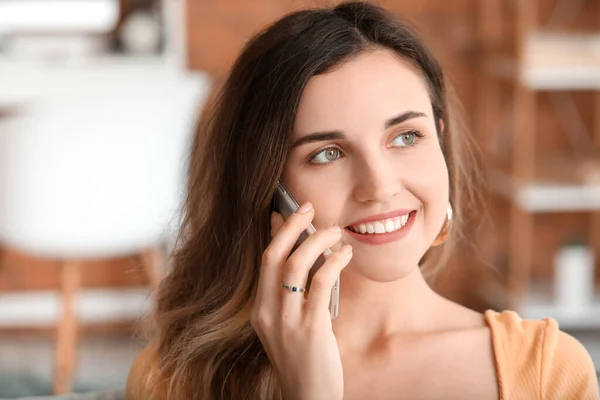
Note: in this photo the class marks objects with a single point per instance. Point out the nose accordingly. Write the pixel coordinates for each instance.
(376, 180)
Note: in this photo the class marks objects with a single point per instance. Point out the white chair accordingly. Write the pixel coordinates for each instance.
(94, 166)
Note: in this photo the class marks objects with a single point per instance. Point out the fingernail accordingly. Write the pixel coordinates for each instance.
(334, 229)
(346, 249)
(306, 207)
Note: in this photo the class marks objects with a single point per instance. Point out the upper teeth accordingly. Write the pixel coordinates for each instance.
(382, 226)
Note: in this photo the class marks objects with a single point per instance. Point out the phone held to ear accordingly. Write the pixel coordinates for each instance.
(286, 205)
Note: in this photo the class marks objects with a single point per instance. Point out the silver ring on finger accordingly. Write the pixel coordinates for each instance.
(294, 289)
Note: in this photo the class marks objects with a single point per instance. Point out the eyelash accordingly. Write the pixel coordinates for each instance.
(417, 137)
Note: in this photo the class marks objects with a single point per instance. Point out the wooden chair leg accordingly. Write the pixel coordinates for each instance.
(154, 261)
(66, 338)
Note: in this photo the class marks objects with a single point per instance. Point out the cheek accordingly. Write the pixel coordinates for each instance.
(430, 181)
(323, 192)
(435, 182)
(326, 212)
(431, 187)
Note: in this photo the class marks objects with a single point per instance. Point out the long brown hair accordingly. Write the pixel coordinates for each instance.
(207, 348)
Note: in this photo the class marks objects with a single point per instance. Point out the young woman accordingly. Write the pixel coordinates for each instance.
(351, 112)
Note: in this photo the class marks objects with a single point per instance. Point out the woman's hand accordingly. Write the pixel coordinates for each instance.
(295, 331)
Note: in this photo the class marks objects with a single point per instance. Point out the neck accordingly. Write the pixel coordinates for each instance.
(371, 311)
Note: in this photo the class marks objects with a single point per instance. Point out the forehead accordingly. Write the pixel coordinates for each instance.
(360, 93)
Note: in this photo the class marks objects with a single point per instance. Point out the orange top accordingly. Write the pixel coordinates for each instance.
(535, 360)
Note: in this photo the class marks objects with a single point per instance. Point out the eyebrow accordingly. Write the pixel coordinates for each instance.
(331, 135)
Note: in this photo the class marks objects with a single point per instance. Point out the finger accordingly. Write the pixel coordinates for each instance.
(301, 261)
(276, 222)
(288, 233)
(323, 280)
(276, 254)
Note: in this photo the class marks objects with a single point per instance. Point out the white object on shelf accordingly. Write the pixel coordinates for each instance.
(574, 278)
(141, 33)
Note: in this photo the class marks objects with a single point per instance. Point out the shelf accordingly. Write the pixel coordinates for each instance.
(557, 62)
(585, 318)
(562, 78)
(561, 62)
(547, 196)
(541, 305)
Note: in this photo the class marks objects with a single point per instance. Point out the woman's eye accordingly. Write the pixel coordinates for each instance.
(405, 139)
(326, 156)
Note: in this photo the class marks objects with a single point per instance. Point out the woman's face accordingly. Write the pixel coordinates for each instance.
(367, 156)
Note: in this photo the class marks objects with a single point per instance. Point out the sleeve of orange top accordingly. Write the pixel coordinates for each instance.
(567, 370)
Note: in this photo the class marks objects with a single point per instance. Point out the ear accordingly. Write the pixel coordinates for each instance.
(276, 223)
(442, 127)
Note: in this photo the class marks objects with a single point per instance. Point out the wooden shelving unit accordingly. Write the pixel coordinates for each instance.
(530, 56)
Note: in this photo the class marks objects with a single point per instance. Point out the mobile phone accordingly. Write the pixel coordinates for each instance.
(286, 205)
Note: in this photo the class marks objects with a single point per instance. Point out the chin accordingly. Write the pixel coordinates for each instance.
(388, 269)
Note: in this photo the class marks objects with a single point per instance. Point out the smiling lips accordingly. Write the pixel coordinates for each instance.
(381, 223)
(383, 228)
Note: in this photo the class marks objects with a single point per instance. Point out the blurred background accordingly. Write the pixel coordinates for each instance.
(98, 101)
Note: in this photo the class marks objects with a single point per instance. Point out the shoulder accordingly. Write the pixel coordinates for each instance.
(142, 372)
(536, 355)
